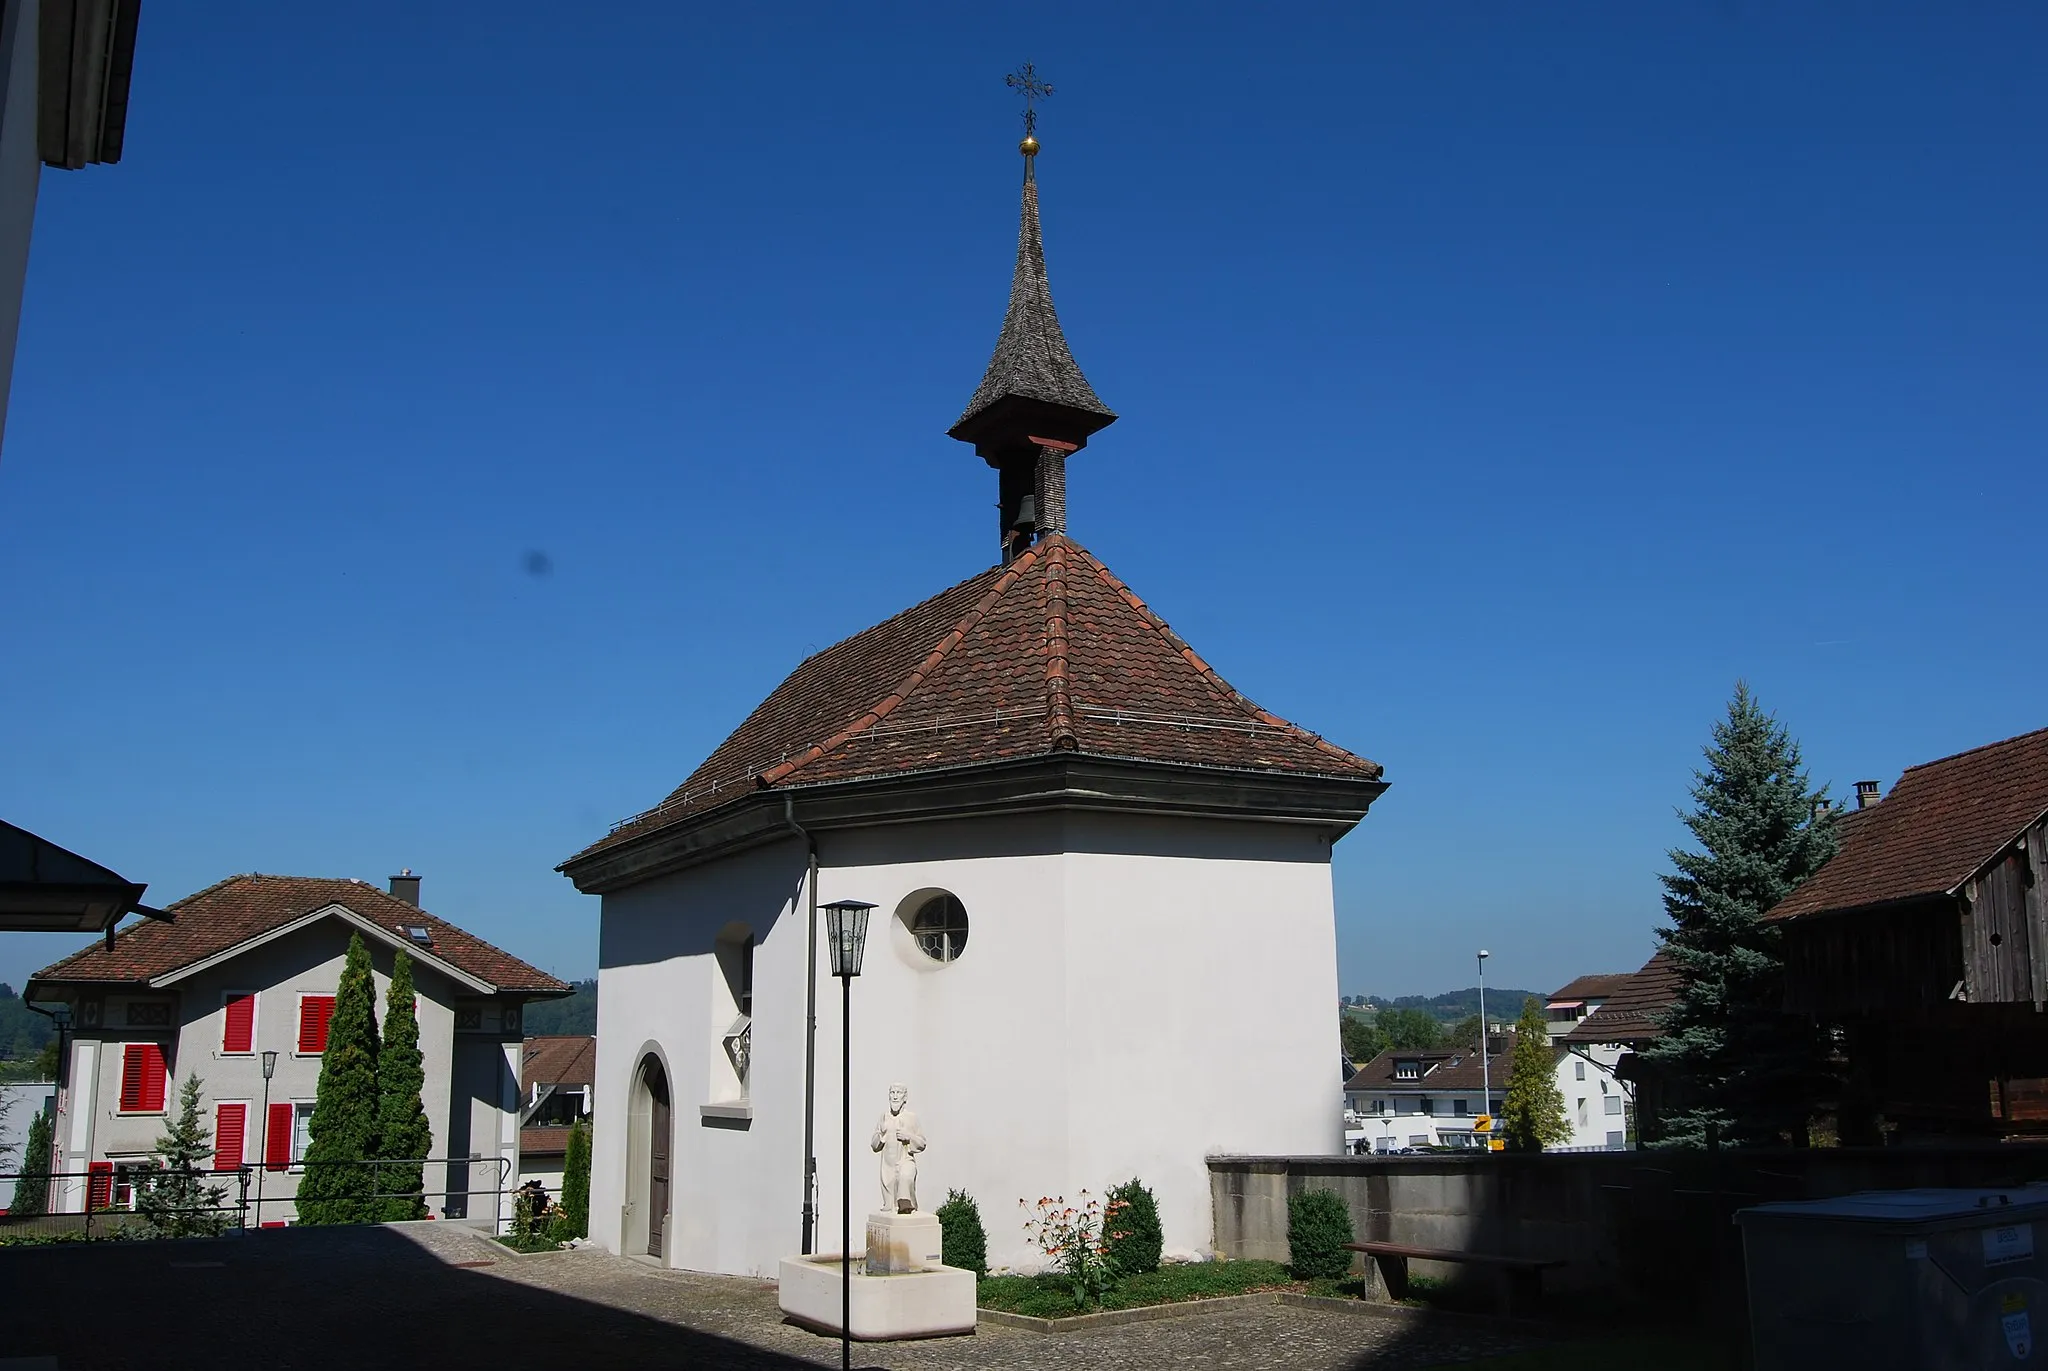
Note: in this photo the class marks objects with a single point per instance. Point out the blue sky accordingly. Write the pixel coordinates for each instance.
(1498, 386)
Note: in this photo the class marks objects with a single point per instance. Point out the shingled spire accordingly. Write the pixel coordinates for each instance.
(1033, 407)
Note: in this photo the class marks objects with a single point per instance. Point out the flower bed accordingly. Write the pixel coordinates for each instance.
(1050, 1295)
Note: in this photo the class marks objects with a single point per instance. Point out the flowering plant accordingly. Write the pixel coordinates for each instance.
(1075, 1239)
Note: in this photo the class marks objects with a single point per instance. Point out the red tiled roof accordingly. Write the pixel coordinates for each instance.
(231, 912)
(1595, 987)
(1628, 1014)
(1942, 821)
(1443, 1069)
(1049, 653)
(543, 1142)
(557, 1060)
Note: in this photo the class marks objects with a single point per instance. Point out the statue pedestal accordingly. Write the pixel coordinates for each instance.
(899, 1289)
(901, 1243)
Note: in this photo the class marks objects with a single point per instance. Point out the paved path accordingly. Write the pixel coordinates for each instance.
(438, 1296)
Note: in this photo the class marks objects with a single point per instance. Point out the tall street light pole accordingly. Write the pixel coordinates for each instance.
(1485, 1058)
(846, 934)
(263, 1159)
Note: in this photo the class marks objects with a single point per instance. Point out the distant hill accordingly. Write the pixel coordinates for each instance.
(1502, 1002)
(576, 1014)
(22, 1031)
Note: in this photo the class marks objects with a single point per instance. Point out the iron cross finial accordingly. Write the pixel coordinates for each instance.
(1025, 82)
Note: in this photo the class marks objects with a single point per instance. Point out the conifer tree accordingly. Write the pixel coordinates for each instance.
(176, 1200)
(343, 1129)
(576, 1183)
(1532, 1116)
(1738, 1062)
(32, 1191)
(403, 1134)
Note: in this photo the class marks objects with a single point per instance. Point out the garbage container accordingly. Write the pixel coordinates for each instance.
(1919, 1280)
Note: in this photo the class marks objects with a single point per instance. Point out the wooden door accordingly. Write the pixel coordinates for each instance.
(657, 1161)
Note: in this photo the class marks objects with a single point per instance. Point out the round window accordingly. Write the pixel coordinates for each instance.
(940, 927)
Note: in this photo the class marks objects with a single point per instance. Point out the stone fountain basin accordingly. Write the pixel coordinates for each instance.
(934, 1303)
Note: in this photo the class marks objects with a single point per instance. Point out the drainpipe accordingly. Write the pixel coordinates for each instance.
(810, 1219)
(61, 1107)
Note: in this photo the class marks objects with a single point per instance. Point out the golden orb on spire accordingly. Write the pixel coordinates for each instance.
(1029, 147)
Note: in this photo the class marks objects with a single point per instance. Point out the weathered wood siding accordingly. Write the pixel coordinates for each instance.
(2005, 944)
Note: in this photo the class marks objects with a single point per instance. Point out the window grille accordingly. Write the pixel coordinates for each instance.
(940, 927)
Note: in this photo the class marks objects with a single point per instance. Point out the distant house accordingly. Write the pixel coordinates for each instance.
(1620, 1026)
(1926, 938)
(248, 972)
(1403, 1098)
(1596, 1099)
(555, 1086)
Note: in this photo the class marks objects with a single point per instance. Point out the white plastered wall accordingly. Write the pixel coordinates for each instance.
(1135, 995)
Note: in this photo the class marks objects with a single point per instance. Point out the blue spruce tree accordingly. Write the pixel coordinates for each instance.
(1737, 1061)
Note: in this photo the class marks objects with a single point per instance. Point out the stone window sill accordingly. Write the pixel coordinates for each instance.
(731, 1114)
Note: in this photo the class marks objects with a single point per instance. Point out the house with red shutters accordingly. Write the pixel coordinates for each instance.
(238, 989)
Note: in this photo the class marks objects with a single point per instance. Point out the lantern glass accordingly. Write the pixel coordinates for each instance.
(269, 1064)
(846, 934)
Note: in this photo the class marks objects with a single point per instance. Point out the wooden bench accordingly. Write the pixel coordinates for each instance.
(1521, 1278)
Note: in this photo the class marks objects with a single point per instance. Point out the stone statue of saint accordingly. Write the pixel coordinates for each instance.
(899, 1140)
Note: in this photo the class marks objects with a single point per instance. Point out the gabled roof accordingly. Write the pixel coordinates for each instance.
(569, 1059)
(1595, 987)
(1628, 1016)
(246, 909)
(1049, 653)
(1943, 821)
(1443, 1069)
(1032, 360)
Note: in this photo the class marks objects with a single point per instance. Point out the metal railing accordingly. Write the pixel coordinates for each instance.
(69, 1196)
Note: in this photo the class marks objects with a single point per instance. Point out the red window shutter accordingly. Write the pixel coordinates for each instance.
(153, 1076)
(230, 1121)
(240, 1033)
(277, 1138)
(131, 1077)
(142, 1078)
(99, 1185)
(315, 1012)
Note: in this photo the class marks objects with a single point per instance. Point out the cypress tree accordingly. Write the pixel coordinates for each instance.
(175, 1200)
(31, 1192)
(403, 1135)
(1745, 1067)
(575, 1222)
(1532, 1116)
(343, 1129)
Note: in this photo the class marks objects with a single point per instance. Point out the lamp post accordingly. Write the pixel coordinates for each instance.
(263, 1158)
(1485, 1057)
(846, 935)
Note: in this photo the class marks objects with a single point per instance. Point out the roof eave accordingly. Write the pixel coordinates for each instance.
(1052, 781)
(86, 59)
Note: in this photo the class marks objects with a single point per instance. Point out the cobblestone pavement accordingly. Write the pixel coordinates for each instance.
(439, 1296)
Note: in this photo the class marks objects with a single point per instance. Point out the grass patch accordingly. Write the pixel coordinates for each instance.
(1666, 1352)
(1047, 1296)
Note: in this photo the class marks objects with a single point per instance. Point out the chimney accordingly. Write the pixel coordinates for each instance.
(406, 886)
(1866, 794)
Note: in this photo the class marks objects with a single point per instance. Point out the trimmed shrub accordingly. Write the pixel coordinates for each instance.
(1134, 1239)
(962, 1242)
(1318, 1226)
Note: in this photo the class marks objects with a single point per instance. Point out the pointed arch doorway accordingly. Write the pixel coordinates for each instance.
(650, 1143)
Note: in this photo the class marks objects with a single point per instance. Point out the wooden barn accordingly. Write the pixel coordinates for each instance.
(1926, 938)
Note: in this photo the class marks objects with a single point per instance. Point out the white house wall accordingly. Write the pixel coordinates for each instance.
(308, 961)
(1134, 995)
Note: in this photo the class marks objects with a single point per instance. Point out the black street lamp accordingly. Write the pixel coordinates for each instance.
(846, 936)
(263, 1160)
